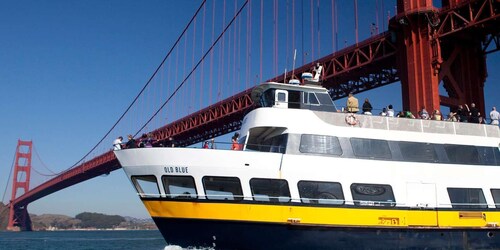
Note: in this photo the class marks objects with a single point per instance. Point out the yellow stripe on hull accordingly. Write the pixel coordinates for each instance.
(327, 216)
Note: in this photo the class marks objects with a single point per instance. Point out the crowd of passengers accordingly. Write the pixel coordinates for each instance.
(145, 141)
(462, 114)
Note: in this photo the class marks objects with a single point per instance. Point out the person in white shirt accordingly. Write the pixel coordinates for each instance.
(390, 111)
(494, 116)
(117, 143)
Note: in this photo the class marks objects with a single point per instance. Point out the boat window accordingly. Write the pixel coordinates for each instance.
(281, 97)
(267, 98)
(320, 144)
(313, 100)
(267, 139)
(317, 192)
(270, 190)
(146, 185)
(489, 155)
(222, 188)
(467, 198)
(419, 152)
(179, 187)
(372, 195)
(496, 196)
(462, 154)
(371, 148)
(294, 99)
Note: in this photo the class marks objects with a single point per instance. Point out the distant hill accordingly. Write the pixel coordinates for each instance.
(84, 220)
(46, 221)
(4, 216)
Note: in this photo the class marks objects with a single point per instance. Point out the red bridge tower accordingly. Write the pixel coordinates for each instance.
(18, 215)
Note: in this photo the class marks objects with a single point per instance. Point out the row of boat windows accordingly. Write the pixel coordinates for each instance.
(384, 150)
(311, 192)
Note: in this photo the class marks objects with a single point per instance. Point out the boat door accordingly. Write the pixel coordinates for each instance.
(281, 98)
(422, 200)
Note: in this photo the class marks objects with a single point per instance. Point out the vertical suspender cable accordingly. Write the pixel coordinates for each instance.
(319, 31)
(293, 30)
(221, 57)
(302, 29)
(193, 80)
(234, 49)
(312, 29)
(202, 77)
(248, 47)
(196, 66)
(261, 35)
(212, 54)
(333, 25)
(356, 19)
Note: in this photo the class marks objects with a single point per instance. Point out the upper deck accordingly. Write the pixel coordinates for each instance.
(316, 98)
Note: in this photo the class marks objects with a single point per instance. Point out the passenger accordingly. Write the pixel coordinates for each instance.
(149, 140)
(352, 104)
(464, 117)
(390, 111)
(436, 115)
(170, 142)
(117, 143)
(384, 112)
(423, 114)
(452, 117)
(205, 145)
(142, 140)
(212, 144)
(131, 143)
(401, 114)
(234, 140)
(494, 116)
(409, 114)
(474, 114)
(367, 107)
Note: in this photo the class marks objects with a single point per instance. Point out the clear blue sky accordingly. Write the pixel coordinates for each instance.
(68, 69)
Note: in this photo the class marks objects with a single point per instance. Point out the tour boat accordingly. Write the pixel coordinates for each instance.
(310, 177)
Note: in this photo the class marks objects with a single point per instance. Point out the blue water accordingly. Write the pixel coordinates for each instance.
(84, 240)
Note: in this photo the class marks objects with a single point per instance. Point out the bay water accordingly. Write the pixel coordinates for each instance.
(84, 240)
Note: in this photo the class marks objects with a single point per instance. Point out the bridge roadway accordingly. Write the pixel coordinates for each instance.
(369, 64)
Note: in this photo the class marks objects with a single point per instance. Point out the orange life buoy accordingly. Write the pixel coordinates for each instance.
(351, 120)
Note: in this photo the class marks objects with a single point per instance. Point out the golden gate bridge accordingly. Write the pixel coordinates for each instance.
(201, 88)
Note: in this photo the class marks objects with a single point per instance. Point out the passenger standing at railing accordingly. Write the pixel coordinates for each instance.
(212, 144)
(131, 143)
(367, 107)
(352, 104)
(234, 140)
(423, 114)
(474, 113)
(205, 145)
(117, 143)
(494, 116)
(390, 111)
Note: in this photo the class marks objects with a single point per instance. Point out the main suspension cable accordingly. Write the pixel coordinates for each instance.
(145, 86)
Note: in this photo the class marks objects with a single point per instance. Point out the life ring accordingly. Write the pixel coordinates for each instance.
(351, 120)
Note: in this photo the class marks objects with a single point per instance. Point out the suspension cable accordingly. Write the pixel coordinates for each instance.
(195, 67)
(143, 88)
(10, 175)
(43, 163)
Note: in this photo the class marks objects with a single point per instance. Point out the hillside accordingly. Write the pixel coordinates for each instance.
(84, 220)
(4, 216)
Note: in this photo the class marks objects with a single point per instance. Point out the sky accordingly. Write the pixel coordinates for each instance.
(69, 69)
